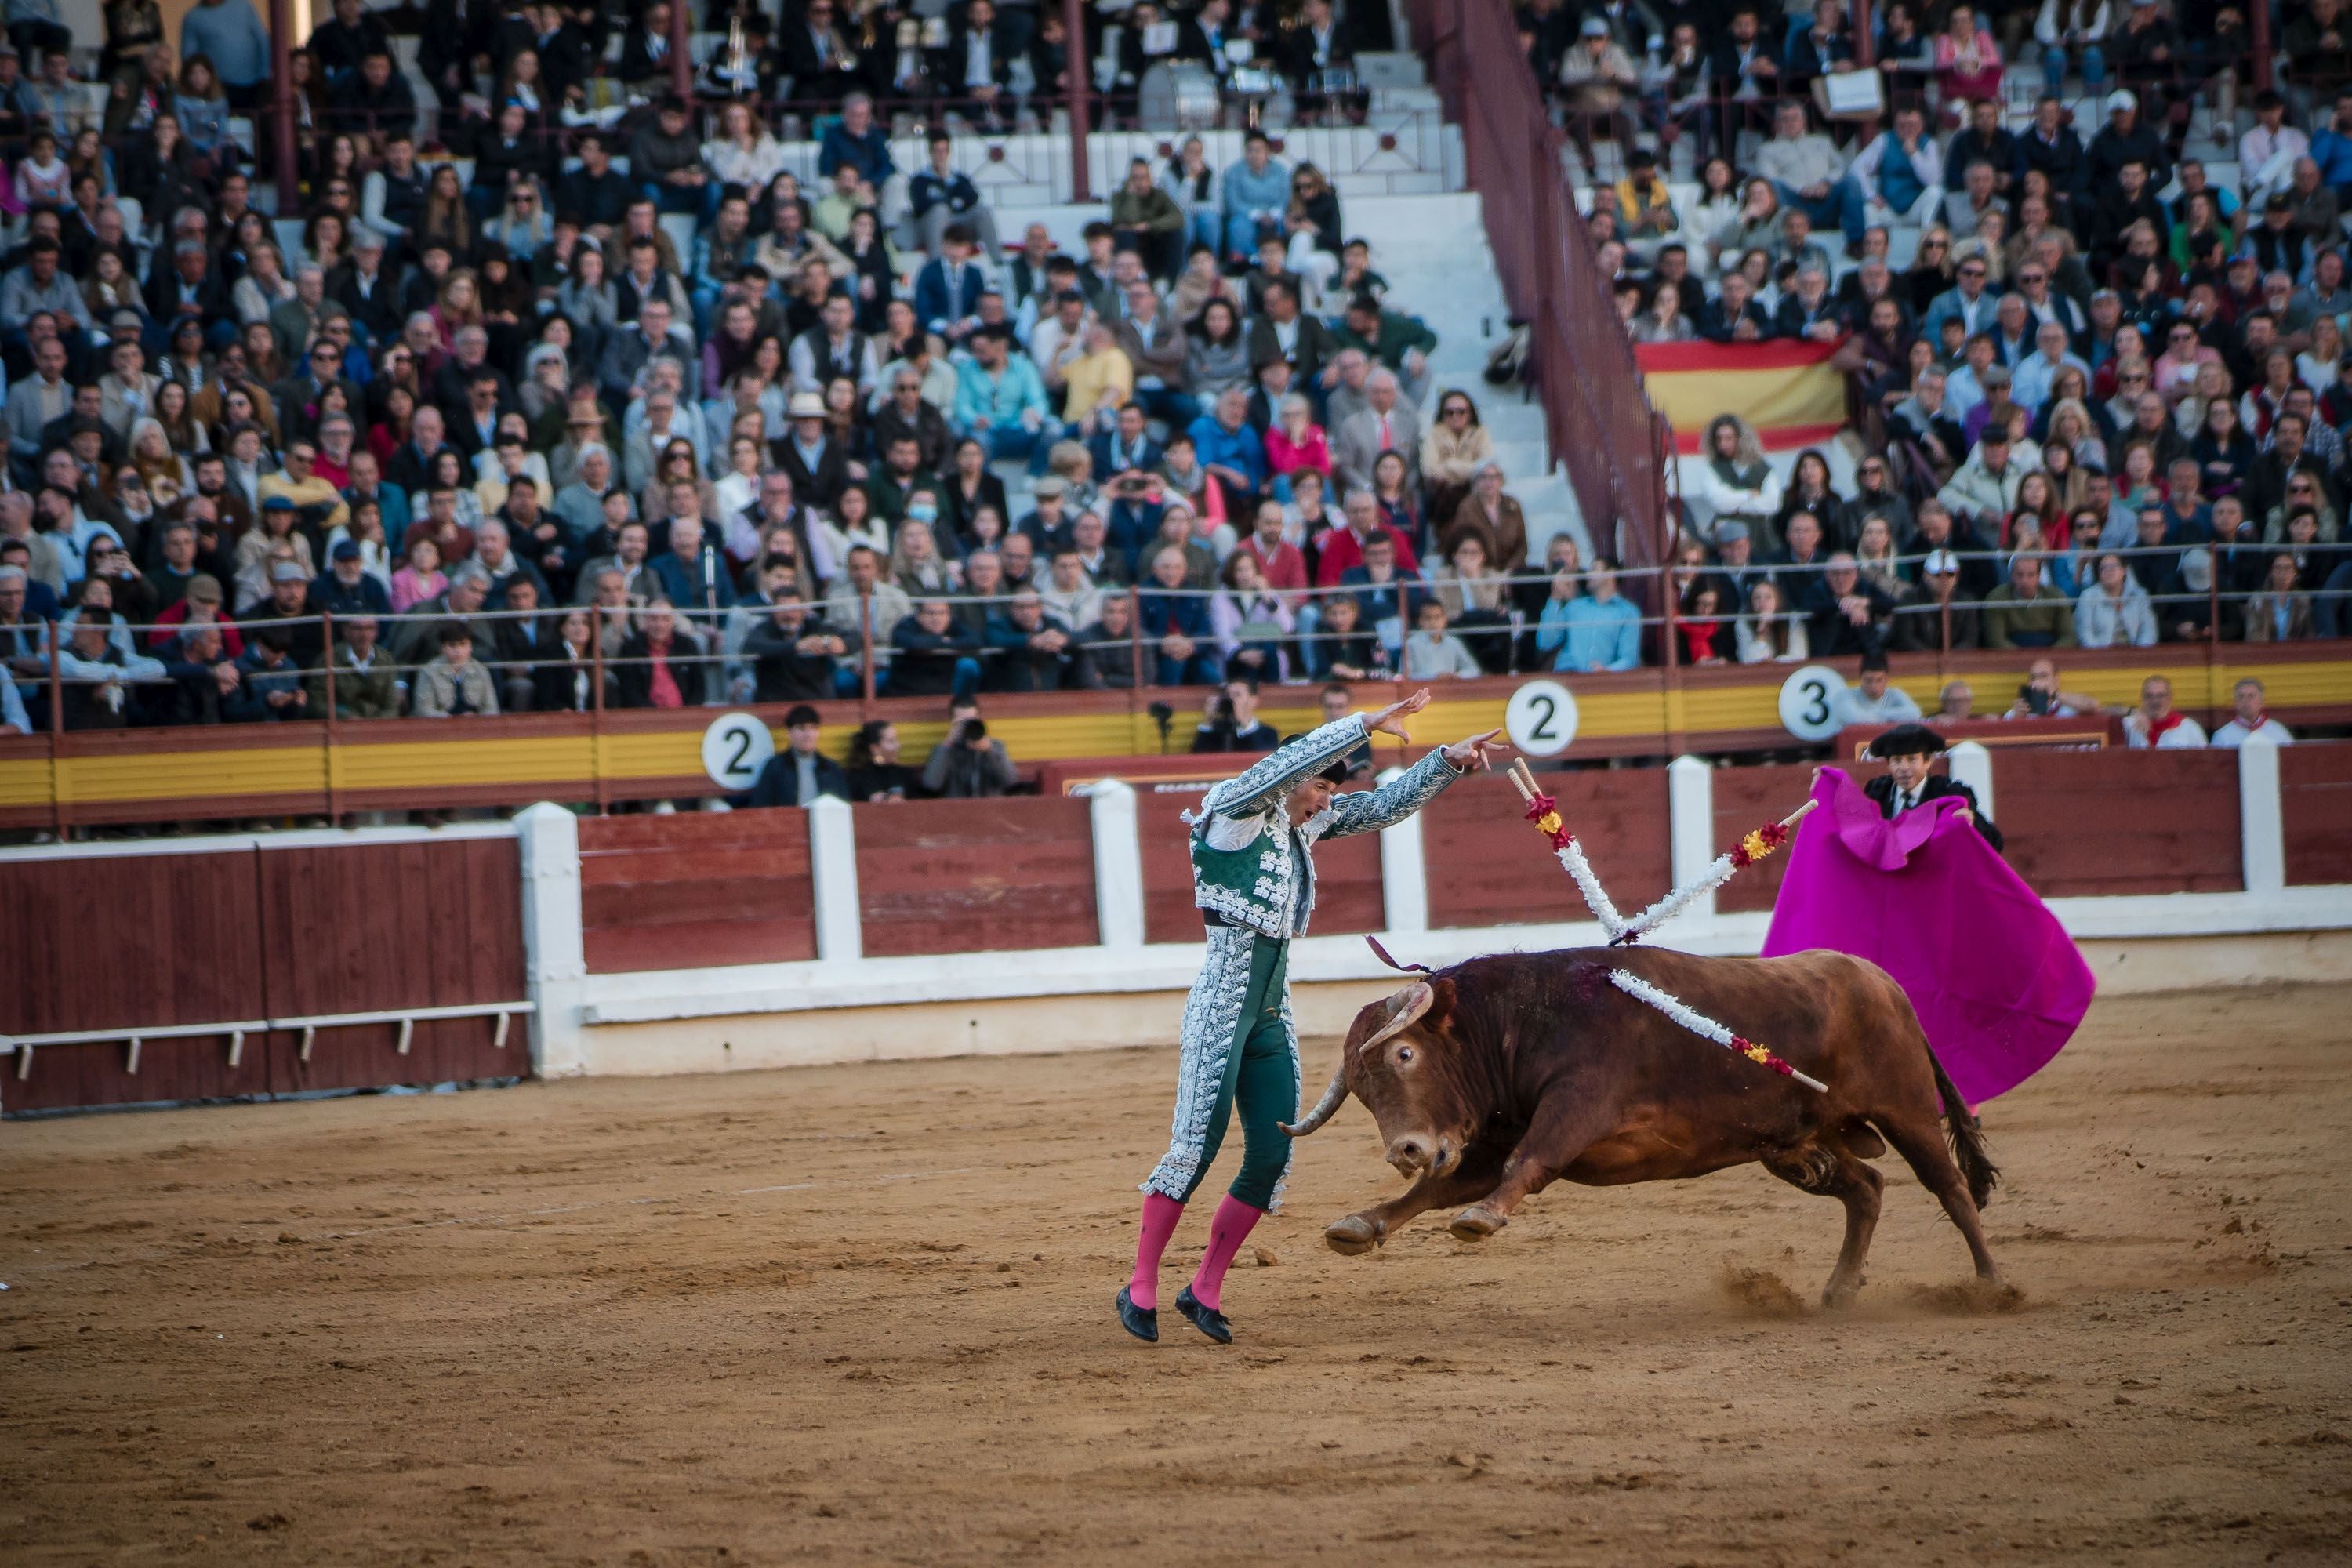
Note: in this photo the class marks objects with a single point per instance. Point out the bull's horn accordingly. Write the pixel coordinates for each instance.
(1405, 1008)
(1323, 1107)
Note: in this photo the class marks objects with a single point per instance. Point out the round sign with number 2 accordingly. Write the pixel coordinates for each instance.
(1540, 717)
(734, 749)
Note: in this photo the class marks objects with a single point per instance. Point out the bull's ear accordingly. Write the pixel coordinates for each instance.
(1441, 1005)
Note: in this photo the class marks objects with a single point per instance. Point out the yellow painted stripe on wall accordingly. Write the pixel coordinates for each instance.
(421, 764)
(566, 760)
(171, 776)
(24, 781)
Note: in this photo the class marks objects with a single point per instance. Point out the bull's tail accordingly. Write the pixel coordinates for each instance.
(1966, 1134)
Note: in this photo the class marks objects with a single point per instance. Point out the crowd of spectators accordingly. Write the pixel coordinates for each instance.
(2097, 398)
(616, 414)
(515, 441)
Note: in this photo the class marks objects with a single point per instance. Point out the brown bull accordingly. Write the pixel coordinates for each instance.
(1495, 1078)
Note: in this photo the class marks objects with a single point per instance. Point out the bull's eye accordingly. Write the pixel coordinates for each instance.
(1404, 1054)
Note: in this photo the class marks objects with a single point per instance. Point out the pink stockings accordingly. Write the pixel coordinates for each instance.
(1227, 1231)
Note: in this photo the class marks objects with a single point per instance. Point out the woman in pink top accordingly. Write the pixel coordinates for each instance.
(1296, 441)
(420, 579)
(1967, 61)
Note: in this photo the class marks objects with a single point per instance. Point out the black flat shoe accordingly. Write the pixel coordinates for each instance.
(1143, 1323)
(1208, 1320)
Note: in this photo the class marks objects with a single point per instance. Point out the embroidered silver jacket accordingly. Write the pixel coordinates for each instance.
(1275, 896)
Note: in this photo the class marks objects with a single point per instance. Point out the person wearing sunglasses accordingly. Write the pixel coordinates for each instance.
(1968, 300)
(524, 223)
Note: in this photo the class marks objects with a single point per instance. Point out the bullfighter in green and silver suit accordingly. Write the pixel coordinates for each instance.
(1254, 879)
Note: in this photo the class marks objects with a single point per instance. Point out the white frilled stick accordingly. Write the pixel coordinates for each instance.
(1718, 871)
(1699, 1024)
(1571, 858)
(1620, 928)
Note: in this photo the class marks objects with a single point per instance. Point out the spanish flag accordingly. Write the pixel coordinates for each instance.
(1787, 389)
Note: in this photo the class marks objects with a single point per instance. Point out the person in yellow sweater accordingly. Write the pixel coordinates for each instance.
(1100, 381)
(305, 490)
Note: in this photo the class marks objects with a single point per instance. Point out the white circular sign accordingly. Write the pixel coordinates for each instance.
(734, 749)
(1813, 702)
(1540, 717)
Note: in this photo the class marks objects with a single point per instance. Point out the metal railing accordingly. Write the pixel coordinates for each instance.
(708, 640)
(22, 1047)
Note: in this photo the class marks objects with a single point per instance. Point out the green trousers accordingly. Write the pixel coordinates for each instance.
(1262, 1075)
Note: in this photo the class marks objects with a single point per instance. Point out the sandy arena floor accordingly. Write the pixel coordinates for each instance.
(863, 1314)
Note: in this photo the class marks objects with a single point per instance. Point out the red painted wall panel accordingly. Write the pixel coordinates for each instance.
(697, 888)
(131, 941)
(976, 876)
(2089, 823)
(2315, 799)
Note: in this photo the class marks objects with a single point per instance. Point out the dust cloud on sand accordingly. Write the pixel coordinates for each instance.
(863, 1314)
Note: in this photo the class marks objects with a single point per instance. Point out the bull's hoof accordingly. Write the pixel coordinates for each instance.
(1476, 1224)
(1351, 1236)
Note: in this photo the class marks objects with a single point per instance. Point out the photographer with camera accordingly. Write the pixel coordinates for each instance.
(968, 764)
(1229, 722)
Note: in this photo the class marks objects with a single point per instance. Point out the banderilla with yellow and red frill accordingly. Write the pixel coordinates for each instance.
(1544, 812)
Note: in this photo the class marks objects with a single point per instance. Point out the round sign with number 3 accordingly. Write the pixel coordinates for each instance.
(1811, 703)
(1540, 717)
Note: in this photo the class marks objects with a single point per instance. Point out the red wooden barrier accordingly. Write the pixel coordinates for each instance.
(2316, 801)
(378, 927)
(130, 942)
(1348, 896)
(144, 940)
(2083, 823)
(1485, 864)
(695, 889)
(976, 876)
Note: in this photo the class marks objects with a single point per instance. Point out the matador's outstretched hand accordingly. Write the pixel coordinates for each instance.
(1390, 719)
(1470, 755)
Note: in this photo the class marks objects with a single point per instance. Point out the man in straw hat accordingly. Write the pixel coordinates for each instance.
(1253, 845)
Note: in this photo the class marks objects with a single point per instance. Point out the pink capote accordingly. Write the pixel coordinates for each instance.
(1996, 980)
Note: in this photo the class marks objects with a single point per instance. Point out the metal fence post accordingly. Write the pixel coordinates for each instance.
(281, 97)
(1079, 70)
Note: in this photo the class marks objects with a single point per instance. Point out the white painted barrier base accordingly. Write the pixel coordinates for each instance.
(801, 1015)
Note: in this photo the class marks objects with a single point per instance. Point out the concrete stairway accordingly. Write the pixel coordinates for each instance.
(1434, 252)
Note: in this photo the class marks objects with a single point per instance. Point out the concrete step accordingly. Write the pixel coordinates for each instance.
(1390, 68)
(1550, 506)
